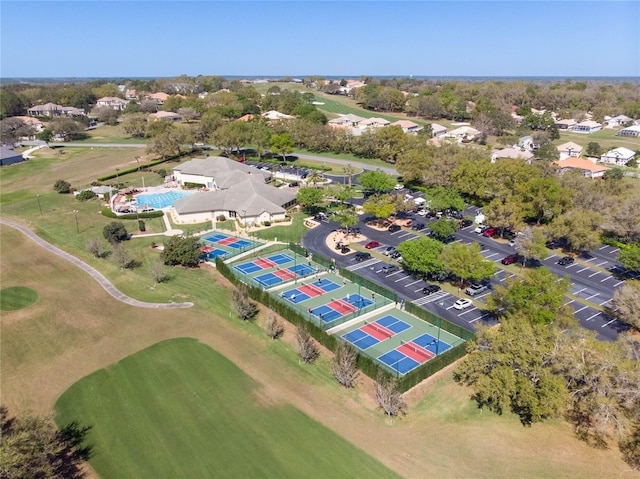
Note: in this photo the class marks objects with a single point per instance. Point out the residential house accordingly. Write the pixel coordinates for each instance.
(53, 110)
(620, 120)
(511, 154)
(9, 157)
(407, 126)
(566, 124)
(464, 133)
(633, 131)
(33, 122)
(130, 94)
(586, 127)
(346, 121)
(526, 143)
(569, 149)
(438, 130)
(373, 123)
(276, 115)
(588, 168)
(113, 102)
(164, 115)
(212, 170)
(618, 156)
(159, 97)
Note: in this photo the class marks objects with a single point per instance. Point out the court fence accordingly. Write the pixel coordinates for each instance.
(367, 365)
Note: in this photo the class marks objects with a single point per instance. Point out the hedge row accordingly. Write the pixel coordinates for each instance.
(133, 169)
(131, 216)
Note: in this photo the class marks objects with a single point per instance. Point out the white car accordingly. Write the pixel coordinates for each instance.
(480, 229)
(398, 187)
(463, 303)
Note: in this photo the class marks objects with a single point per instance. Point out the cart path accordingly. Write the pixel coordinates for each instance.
(95, 274)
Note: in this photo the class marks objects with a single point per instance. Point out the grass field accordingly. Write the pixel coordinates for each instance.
(289, 233)
(180, 409)
(17, 297)
(606, 138)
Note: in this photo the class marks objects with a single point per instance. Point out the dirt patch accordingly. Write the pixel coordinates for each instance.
(340, 237)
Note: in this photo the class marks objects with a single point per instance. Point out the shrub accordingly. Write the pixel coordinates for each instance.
(184, 251)
(188, 184)
(221, 218)
(85, 195)
(266, 223)
(62, 186)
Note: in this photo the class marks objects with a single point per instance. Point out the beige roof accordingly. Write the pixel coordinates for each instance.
(463, 130)
(436, 128)
(570, 145)
(512, 153)
(405, 124)
(589, 123)
(250, 196)
(374, 121)
(164, 114)
(214, 166)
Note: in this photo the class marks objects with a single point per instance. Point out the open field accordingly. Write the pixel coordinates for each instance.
(216, 421)
(606, 138)
(110, 134)
(65, 336)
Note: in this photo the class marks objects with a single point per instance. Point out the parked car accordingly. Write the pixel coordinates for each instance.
(360, 256)
(418, 226)
(399, 186)
(389, 250)
(372, 244)
(475, 289)
(512, 258)
(389, 268)
(480, 229)
(553, 244)
(430, 289)
(567, 260)
(465, 223)
(489, 232)
(463, 303)
(395, 255)
(394, 228)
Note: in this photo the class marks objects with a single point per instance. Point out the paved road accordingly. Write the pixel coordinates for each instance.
(95, 274)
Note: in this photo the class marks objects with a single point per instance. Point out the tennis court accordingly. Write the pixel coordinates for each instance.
(226, 240)
(215, 253)
(263, 263)
(310, 290)
(399, 341)
(337, 308)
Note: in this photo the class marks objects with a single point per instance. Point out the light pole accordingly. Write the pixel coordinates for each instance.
(244, 219)
(39, 205)
(75, 212)
(117, 177)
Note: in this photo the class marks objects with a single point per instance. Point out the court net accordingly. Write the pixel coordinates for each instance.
(381, 330)
(419, 351)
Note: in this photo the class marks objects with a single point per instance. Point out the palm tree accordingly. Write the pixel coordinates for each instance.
(349, 171)
(315, 177)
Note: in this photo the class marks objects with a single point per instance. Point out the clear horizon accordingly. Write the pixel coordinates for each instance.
(152, 39)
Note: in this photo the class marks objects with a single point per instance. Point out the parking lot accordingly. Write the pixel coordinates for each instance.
(593, 278)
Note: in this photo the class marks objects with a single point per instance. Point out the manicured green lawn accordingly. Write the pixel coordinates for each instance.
(290, 233)
(180, 409)
(17, 297)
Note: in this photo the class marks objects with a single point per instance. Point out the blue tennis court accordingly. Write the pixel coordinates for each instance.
(398, 361)
(430, 343)
(213, 254)
(326, 285)
(360, 339)
(216, 237)
(394, 324)
(239, 244)
(280, 258)
(247, 268)
(301, 269)
(325, 313)
(358, 301)
(268, 279)
(295, 296)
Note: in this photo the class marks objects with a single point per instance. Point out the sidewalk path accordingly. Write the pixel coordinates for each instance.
(95, 274)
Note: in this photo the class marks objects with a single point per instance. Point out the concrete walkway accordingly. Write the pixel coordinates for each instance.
(95, 274)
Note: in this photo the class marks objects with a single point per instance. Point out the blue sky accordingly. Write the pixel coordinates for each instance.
(454, 38)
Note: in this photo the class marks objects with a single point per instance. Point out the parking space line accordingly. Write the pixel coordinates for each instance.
(592, 296)
(411, 284)
(569, 302)
(615, 250)
(450, 307)
(600, 264)
(592, 259)
(597, 272)
(603, 280)
(603, 247)
(579, 291)
(580, 271)
(549, 257)
(394, 273)
(618, 283)
(607, 324)
(593, 316)
(406, 234)
(402, 279)
(605, 302)
(578, 310)
(483, 295)
(491, 255)
(467, 311)
(571, 265)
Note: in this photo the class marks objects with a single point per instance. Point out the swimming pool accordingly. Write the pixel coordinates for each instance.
(159, 200)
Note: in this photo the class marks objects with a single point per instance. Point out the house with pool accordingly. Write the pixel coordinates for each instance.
(230, 190)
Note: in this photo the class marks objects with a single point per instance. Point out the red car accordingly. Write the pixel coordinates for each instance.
(372, 244)
(512, 258)
(489, 232)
